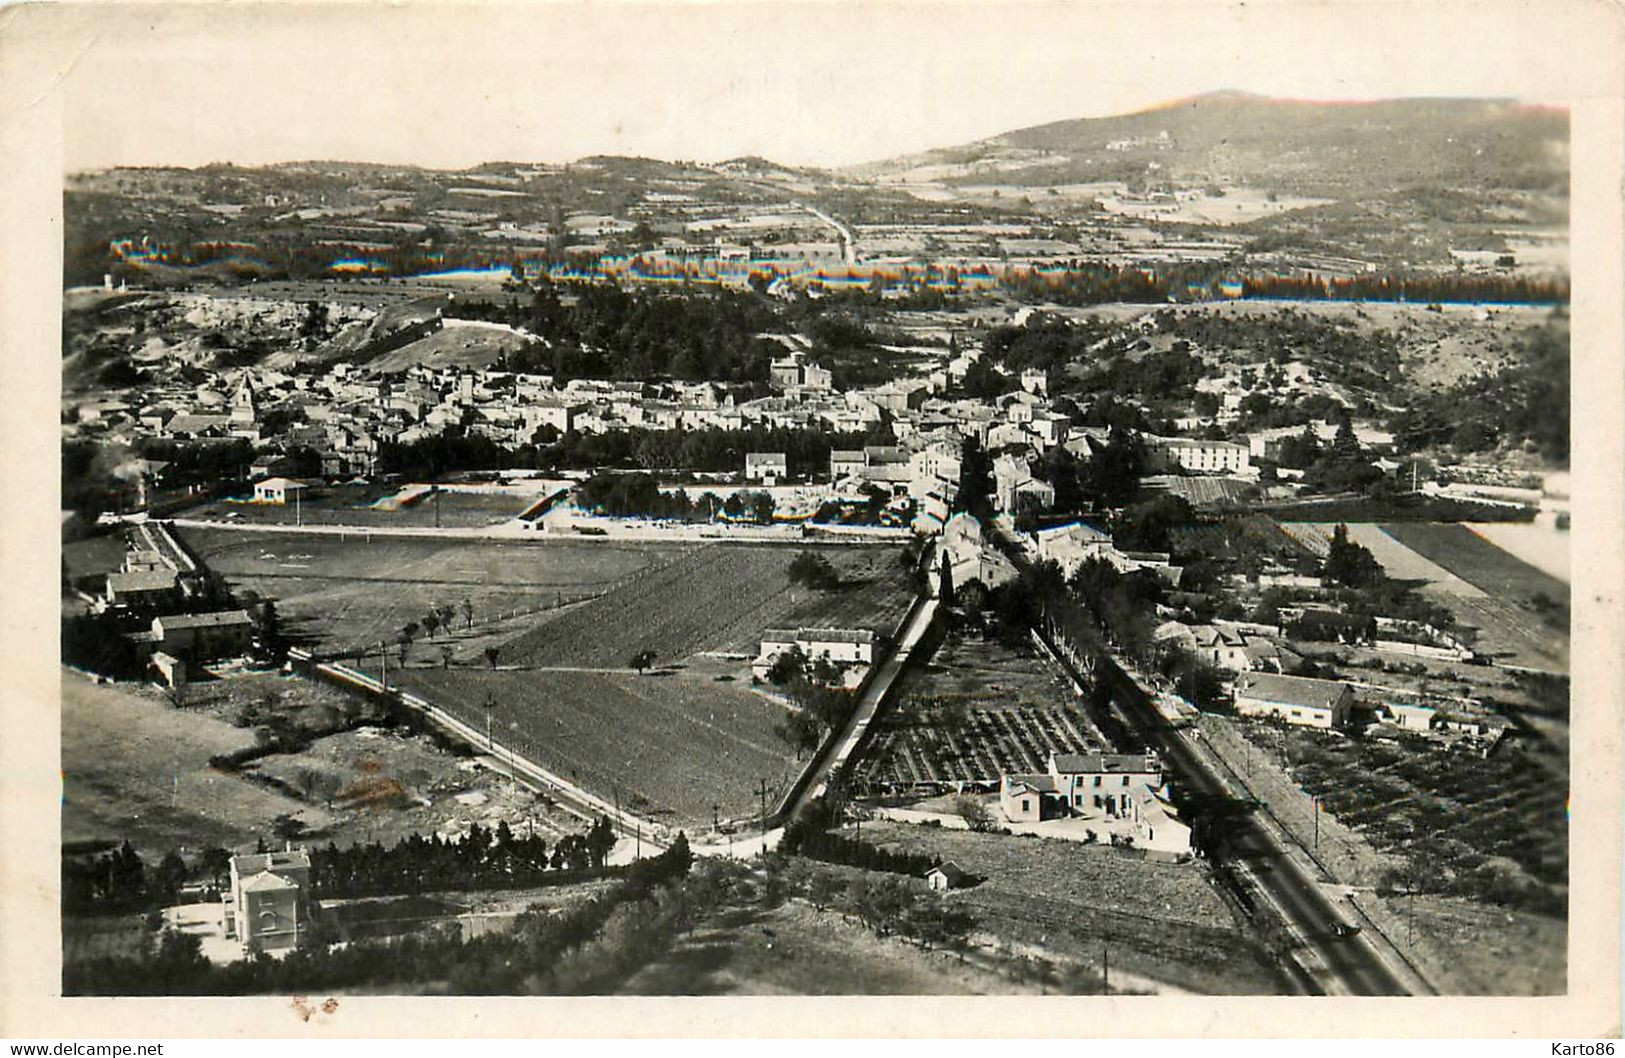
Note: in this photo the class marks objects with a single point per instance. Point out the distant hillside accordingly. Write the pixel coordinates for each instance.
(1316, 148)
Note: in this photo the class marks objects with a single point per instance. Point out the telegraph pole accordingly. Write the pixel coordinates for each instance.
(761, 793)
(1105, 970)
(1317, 820)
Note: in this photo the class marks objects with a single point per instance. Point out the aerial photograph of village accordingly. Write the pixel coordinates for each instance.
(1125, 555)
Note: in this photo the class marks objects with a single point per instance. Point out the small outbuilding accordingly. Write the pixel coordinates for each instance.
(278, 490)
(945, 876)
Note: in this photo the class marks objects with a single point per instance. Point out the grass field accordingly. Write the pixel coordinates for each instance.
(137, 769)
(1397, 560)
(978, 709)
(794, 949)
(370, 507)
(334, 591)
(1479, 562)
(672, 744)
(718, 599)
(1539, 543)
(1165, 921)
(1487, 950)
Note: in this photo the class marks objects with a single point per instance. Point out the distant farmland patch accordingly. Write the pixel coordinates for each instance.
(334, 592)
(718, 599)
(376, 506)
(1202, 491)
(1397, 560)
(1517, 614)
(1479, 562)
(1522, 614)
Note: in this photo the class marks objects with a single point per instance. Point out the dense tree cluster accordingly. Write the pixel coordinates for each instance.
(108, 880)
(1150, 524)
(1349, 564)
(806, 451)
(482, 858)
(699, 451)
(1124, 605)
(1168, 376)
(96, 643)
(983, 381)
(604, 331)
(637, 495)
(815, 571)
(816, 843)
(1435, 287)
(450, 450)
(1091, 283)
(975, 494)
(1045, 342)
(1194, 680)
(822, 705)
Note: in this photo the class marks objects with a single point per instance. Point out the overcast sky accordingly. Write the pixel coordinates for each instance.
(833, 83)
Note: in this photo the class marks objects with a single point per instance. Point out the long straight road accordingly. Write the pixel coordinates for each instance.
(840, 750)
(869, 702)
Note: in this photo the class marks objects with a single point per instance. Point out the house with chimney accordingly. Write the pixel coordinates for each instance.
(1124, 791)
(268, 907)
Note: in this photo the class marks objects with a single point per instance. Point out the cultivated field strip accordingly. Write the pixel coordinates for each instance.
(336, 592)
(1396, 559)
(716, 598)
(922, 748)
(670, 746)
(1494, 572)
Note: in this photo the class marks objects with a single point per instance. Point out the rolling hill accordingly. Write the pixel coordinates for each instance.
(1328, 149)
